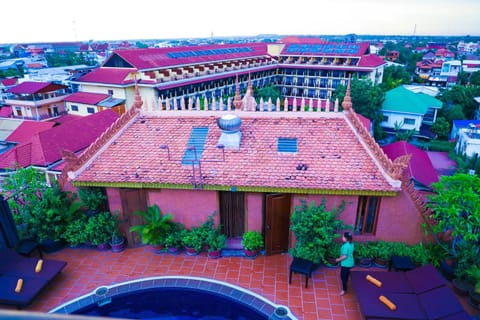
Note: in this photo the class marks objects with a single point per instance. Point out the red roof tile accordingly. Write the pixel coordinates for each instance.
(27, 129)
(44, 148)
(327, 145)
(108, 75)
(5, 112)
(420, 167)
(86, 97)
(8, 82)
(30, 87)
(159, 57)
(371, 60)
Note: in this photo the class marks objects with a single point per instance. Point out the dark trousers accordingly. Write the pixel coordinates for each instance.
(344, 273)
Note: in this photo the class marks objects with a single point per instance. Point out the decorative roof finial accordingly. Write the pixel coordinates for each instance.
(237, 100)
(137, 102)
(347, 101)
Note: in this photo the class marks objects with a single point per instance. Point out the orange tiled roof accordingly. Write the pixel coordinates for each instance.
(335, 159)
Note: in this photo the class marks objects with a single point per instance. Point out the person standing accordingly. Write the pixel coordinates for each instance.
(346, 260)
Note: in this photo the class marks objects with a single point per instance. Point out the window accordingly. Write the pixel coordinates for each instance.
(409, 121)
(74, 107)
(91, 110)
(385, 118)
(287, 145)
(367, 214)
(110, 92)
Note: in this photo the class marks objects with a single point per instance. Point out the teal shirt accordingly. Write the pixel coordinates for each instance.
(347, 250)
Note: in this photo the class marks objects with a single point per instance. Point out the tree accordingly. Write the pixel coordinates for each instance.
(455, 207)
(267, 92)
(452, 112)
(367, 100)
(462, 96)
(43, 211)
(393, 77)
(475, 78)
(442, 128)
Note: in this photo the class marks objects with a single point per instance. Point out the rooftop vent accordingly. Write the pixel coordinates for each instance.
(231, 135)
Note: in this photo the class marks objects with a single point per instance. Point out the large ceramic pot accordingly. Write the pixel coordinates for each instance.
(215, 254)
(118, 245)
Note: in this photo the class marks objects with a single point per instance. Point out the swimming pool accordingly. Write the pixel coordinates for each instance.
(181, 298)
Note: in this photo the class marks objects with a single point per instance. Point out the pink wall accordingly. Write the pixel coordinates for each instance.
(398, 219)
(190, 207)
(254, 211)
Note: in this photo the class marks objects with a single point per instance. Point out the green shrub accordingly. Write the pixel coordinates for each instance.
(315, 229)
(252, 240)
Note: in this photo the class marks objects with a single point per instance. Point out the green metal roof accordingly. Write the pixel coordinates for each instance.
(406, 101)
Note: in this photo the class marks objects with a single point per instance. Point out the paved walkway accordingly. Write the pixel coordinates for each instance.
(88, 269)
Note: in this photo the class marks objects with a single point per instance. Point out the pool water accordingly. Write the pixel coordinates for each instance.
(173, 303)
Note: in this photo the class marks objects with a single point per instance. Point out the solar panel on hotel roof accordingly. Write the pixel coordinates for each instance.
(198, 53)
(327, 48)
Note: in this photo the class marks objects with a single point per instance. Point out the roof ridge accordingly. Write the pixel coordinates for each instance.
(75, 162)
(393, 169)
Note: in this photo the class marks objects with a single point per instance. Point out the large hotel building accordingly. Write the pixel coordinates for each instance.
(305, 70)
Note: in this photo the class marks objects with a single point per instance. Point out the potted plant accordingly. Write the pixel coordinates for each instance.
(117, 242)
(173, 241)
(473, 273)
(216, 242)
(332, 253)
(92, 199)
(76, 232)
(315, 229)
(192, 241)
(252, 241)
(100, 228)
(363, 255)
(157, 226)
(381, 253)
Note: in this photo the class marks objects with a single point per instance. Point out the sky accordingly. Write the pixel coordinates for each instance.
(74, 20)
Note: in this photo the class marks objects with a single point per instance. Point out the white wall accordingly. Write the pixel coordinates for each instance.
(400, 119)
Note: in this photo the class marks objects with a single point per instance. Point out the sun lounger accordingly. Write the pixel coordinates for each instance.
(417, 294)
(31, 287)
(14, 266)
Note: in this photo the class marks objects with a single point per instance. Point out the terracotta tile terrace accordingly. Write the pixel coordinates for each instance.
(87, 269)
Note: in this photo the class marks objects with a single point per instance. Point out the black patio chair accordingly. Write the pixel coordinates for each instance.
(9, 234)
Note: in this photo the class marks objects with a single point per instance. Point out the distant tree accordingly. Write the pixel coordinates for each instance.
(393, 77)
(462, 96)
(462, 78)
(367, 100)
(12, 72)
(475, 78)
(141, 45)
(68, 58)
(442, 128)
(267, 92)
(452, 112)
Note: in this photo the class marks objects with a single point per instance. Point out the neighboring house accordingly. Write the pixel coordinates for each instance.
(40, 145)
(420, 169)
(85, 103)
(252, 168)
(468, 141)
(301, 68)
(37, 100)
(6, 84)
(459, 125)
(407, 110)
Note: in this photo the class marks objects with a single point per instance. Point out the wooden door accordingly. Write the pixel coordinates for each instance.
(232, 213)
(277, 223)
(132, 200)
